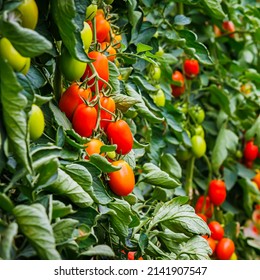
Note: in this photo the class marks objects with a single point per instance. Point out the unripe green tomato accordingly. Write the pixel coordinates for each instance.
(109, 1)
(86, 36)
(111, 155)
(239, 154)
(183, 154)
(198, 146)
(36, 123)
(160, 52)
(198, 130)
(29, 13)
(154, 72)
(197, 114)
(71, 68)
(27, 66)
(159, 98)
(8, 52)
(91, 12)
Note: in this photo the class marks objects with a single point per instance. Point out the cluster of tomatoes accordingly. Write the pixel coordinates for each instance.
(227, 27)
(223, 248)
(89, 106)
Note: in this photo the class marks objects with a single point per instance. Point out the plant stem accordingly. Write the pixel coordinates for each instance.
(189, 177)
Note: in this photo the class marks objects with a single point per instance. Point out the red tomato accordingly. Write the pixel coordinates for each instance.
(225, 248)
(110, 50)
(101, 65)
(122, 181)
(217, 231)
(119, 133)
(229, 27)
(107, 103)
(212, 244)
(204, 205)
(250, 151)
(102, 27)
(217, 191)
(93, 147)
(84, 120)
(131, 256)
(191, 68)
(203, 217)
(217, 30)
(178, 90)
(72, 97)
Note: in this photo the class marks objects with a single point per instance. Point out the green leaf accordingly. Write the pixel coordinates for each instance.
(227, 141)
(142, 48)
(213, 8)
(66, 186)
(170, 165)
(142, 109)
(179, 217)
(196, 248)
(102, 163)
(124, 102)
(59, 209)
(15, 118)
(6, 242)
(6, 203)
(254, 132)
(144, 84)
(65, 16)
(113, 77)
(63, 230)
(181, 20)
(34, 223)
(99, 250)
(60, 117)
(198, 49)
(220, 98)
(155, 176)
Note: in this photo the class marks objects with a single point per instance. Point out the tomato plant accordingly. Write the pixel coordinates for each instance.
(106, 114)
(225, 249)
(179, 89)
(36, 122)
(250, 151)
(191, 68)
(204, 206)
(122, 181)
(86, 36)
(198, 146)
(29, 13)
(229, 26)
(93, 147)
(217, 191)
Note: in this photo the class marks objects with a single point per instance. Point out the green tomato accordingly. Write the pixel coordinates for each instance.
(160, 52)
(36, 123)
(198, 146)
(91, 12)
(29, 13)
(198, 130)
(181, 107)
(111, 155)
(86, 36)
(27, 66)
(183, 154)
(109, 1)
(197, 114)
(8, 52)
(71, 68)
(154, 72)
(159, 98)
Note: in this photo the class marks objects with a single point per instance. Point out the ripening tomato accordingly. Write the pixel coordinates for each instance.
(250, 151)
(131, 256)
(256, 179)
(13, 57)
(105, 46)
(102, 27)
(229, 27)
(84, 120)
(198, 146)
(86, 36)
(71, 68)
(36, 122)
(217, 231)
(108, 104)
(203, 217)
(122, 181)
(204, 205)
(72, 97)
(178, 90)
(101, 65)
(217, 191)
(119, 133)
(93, 147)
(212, 244)
(225, 248)
(29, 13)
(216, 30)
(191, 68)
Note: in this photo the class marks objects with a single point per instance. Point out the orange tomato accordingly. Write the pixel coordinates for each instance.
(110, 50)
(93, 147)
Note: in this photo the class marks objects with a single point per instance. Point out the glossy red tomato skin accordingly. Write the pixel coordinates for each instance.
(191, 68)
(119, 133)
(229, 27)
(178, 90)
(203, 217)
(217, 191)
(250, 151)
(102, 27)
(225, 248)
(84, 120)
(72, 98)
(101, 65)
(217, 231)
(105, 117)
(122, 181)
(204, 205)
(212, 244)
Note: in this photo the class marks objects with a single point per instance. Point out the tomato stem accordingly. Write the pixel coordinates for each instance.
(189, 177)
